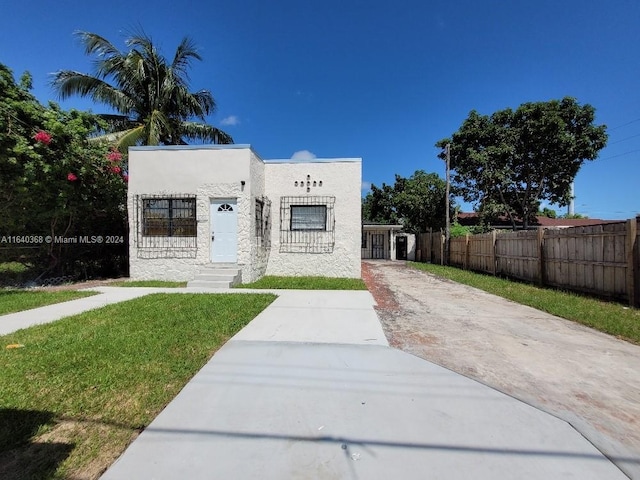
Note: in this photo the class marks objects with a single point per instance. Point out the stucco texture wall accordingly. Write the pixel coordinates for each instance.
(341, 179)
(206, 172)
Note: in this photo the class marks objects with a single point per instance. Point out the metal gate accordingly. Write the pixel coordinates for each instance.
(377, 245)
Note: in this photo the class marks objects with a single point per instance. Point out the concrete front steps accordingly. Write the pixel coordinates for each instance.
(217, 275)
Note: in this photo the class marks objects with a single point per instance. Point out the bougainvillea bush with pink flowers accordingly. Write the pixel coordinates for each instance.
(56, 182)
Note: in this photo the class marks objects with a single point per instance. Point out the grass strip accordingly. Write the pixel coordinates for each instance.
(608, 317)
(81, 388)
(306, 283)
(13, 300)
(147, 283)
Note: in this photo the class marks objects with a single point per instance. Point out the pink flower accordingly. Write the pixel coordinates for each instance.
(114, 156)
(71, 177)
(125, 177)
(115, 169)
(42, 137)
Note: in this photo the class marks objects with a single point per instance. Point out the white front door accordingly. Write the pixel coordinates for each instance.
(224, 231)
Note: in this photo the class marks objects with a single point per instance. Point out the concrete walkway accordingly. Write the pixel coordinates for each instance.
(310, 389)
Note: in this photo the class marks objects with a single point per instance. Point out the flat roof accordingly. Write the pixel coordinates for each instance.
(208, 146)
(315, 160)
(240, 146)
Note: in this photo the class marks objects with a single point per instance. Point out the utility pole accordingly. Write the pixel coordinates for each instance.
(570, 207)
(447, 231)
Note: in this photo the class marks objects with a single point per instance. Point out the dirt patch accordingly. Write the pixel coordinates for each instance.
(84, 448)
(589, 379)
(85, 284)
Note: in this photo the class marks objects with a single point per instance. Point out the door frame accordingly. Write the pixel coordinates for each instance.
(219, 201)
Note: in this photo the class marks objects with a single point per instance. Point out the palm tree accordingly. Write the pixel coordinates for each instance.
(151, 95)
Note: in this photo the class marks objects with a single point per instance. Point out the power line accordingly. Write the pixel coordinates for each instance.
(625, 124)
(620, 154)
(623, 139)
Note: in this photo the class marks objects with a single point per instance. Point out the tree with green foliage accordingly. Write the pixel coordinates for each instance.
(573, 216)
(510, 161)
(548, 212)
(417, 202)
(150, 93)
(55, 183)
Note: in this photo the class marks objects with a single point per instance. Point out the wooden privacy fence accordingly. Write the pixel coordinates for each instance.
(602, 260)
(430, 247)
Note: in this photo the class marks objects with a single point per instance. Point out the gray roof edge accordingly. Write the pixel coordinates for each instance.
(229, 146)
(316, 160)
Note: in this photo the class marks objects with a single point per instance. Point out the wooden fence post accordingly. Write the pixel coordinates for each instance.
(442, 249)
(632, 261)
(494, 260)
(541, 265)
(466, 252)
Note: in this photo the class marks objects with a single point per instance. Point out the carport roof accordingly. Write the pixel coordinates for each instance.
(380, 226)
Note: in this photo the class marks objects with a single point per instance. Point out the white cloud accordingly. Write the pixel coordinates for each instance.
(302, 156)
(365, 186)
(230, 120)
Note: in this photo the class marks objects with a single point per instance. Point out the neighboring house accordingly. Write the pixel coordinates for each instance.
(380, 241)
(196, 207)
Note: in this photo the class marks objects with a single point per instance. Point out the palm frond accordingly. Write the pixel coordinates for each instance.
(130, 138)
(184, 53)
(206, 101)
(156, 128)
(117, 123)
(95, 44)
(205, 133)
(68, 83)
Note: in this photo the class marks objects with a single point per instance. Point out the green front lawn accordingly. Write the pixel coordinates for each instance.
(79, 390)
(306, 283)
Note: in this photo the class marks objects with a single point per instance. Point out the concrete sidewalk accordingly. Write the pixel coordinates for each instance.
(310, 389)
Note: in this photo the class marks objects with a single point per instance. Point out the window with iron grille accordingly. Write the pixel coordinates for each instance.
(259, 224)
(166, 226)
(169, 217)
(308, 217)
(263, 222)
(307, 224)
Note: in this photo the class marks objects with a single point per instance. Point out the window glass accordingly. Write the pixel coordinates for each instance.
(169, 217)
(308, 217)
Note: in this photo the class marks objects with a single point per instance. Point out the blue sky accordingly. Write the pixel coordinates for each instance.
(378, 80)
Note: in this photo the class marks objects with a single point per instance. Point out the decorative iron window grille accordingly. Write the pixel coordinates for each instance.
(258, 219)
(308, 217)
(307, 224)
(166, 226)
(263, 222)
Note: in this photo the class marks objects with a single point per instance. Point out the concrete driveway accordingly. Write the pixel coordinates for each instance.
(590, 379)
(310, 389)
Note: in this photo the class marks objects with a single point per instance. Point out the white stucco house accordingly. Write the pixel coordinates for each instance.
(214, 214)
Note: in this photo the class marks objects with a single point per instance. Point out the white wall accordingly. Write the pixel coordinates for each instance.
(341, 178)
(258, 250)
(216, 171)
(209, 171)
(411, 247)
